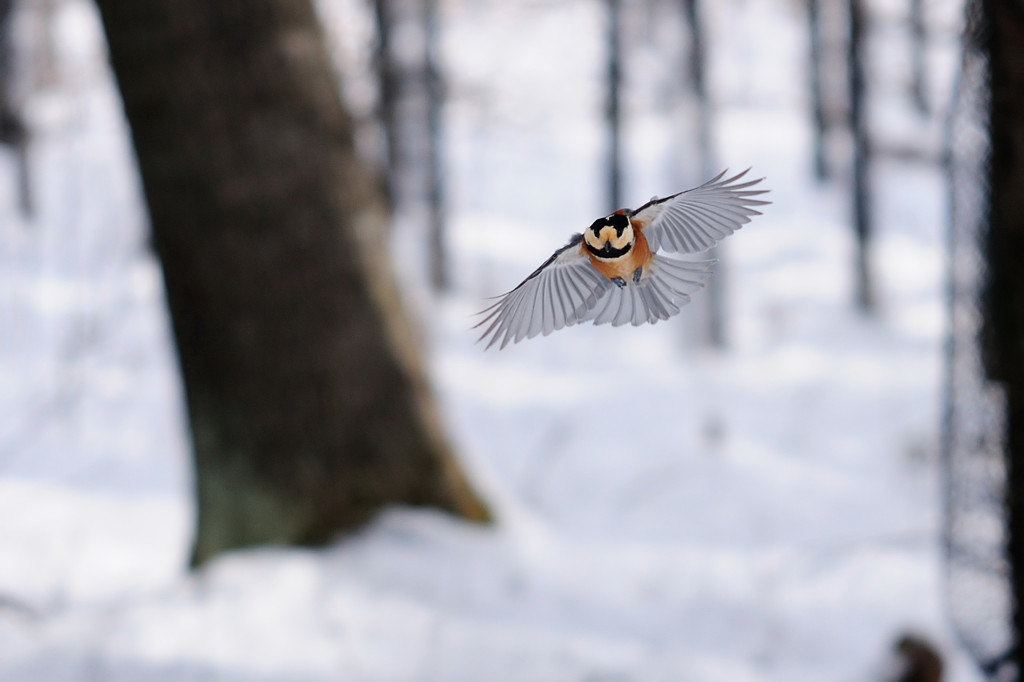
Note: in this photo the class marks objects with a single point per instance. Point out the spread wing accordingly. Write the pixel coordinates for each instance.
(555, 295)
(695, 220)
(660, 294)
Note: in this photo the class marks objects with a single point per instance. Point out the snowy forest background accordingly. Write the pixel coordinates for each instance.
(761, 489)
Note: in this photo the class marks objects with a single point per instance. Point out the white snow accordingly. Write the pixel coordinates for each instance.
(767, 512)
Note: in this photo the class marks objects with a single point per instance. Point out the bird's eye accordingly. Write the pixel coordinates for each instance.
(596, 226)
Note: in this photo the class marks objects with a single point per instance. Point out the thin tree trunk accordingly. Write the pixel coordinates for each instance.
(9, 124)
(697, 62)
(308, 407)
(817, 96)
(388, 80)
(1003, 331)
(435, 145)
(613, 103)
(13, 131)
(861, 181)
(919, 46)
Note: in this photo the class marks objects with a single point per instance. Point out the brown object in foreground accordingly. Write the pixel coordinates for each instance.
(308, 406)
(917, 660)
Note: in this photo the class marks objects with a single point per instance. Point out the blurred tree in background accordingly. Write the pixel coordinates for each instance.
(410, 103)
(308, 407)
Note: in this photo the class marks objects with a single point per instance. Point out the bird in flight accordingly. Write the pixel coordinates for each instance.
(615, 272)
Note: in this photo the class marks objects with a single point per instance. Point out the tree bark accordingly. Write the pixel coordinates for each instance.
(308, 407)
(1003, 330)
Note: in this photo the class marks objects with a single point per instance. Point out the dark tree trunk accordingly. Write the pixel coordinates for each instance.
(10, 128)
(861, 182)
(613, 103)
(308, 408)
(1003, 331)
(13, 131)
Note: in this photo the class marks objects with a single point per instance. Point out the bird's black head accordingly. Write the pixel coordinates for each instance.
(610, 237)
(617, 221)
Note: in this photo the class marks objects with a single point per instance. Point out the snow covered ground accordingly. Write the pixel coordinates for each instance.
(665, 512)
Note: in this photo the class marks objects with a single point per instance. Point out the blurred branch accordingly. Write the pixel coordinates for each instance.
(19, 607)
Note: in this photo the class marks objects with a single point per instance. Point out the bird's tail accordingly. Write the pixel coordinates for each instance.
(663, 291)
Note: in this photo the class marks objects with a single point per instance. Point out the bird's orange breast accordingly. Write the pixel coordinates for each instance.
(639, 256)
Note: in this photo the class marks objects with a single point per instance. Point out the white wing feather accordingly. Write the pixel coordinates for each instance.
(556, 295)
(663, 291)
(695, 220)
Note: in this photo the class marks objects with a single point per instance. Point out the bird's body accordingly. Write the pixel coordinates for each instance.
(614, 272)
(617, 254)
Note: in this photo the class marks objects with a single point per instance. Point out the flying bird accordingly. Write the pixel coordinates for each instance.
(614, 272)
